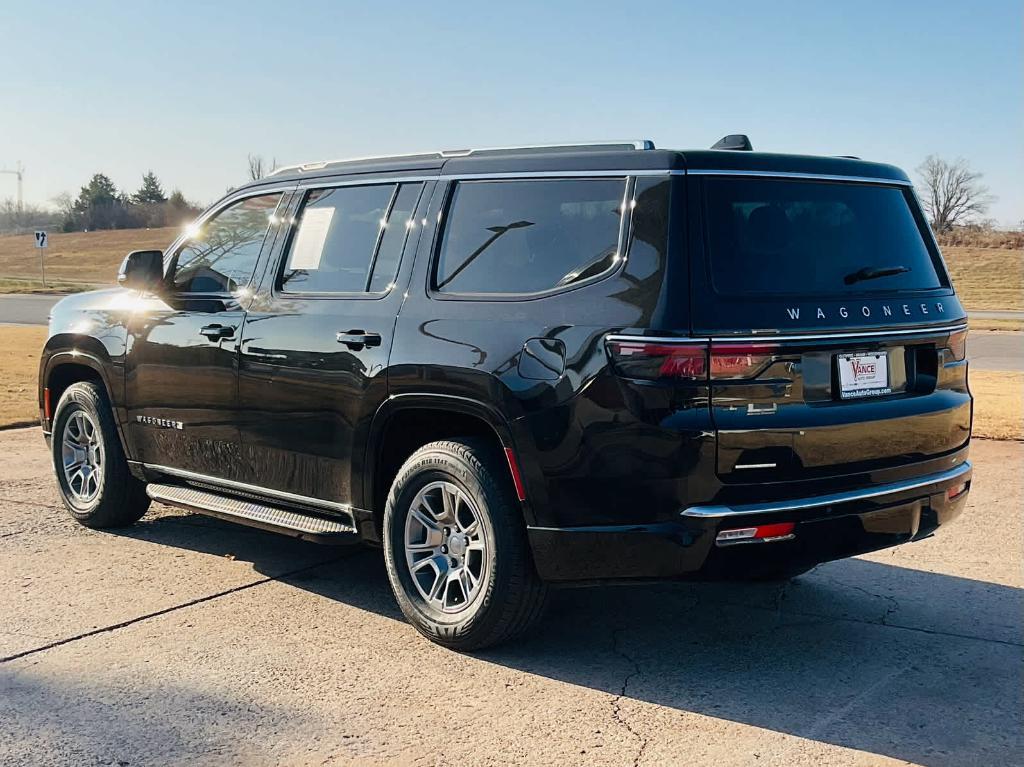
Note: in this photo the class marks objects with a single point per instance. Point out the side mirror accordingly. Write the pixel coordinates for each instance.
(142, 270)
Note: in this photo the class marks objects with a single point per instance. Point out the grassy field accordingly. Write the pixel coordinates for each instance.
(986, 278)
(84, 257)
(998, 413)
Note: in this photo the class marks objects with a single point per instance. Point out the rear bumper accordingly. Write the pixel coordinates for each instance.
(827, 527)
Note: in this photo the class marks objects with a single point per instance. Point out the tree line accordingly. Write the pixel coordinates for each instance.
(100, 205)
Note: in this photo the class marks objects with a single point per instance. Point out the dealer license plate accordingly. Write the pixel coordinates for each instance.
(863, 375)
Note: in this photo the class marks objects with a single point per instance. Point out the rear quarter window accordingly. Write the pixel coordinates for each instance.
(521, 237)
(781, 236)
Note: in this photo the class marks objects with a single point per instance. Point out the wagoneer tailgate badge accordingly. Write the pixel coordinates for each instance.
(885, 310)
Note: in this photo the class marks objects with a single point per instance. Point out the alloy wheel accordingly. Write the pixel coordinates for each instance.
(446, 547)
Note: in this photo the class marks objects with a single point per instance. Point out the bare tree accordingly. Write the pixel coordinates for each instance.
(258, 169)
(952, 193)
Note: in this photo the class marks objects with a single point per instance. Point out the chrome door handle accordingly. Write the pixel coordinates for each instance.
(357, 339)
(216, 332)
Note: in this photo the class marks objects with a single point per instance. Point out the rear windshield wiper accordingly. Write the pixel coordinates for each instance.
(870, 273)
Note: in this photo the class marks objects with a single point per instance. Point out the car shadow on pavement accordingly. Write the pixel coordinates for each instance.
(911, 664)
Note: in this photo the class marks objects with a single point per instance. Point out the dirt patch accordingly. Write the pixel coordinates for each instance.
(19, 371)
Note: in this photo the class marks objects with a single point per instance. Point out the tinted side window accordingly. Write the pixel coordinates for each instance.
(222, 256)
(396, 232)
(337, 234)
(529, 236)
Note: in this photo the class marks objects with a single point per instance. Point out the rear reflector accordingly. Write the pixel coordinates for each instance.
(47, 410)
(517, 478)
(956, 491)
(779, 531)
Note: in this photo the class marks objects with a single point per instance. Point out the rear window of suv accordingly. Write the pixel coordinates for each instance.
(782, 236)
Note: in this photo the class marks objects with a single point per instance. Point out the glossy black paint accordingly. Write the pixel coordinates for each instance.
(608, 462)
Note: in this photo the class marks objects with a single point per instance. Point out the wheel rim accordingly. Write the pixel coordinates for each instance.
(82, 456)
(446, 547)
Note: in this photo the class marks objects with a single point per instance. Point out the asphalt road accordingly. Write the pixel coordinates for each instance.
(184, 640)
(26, 309)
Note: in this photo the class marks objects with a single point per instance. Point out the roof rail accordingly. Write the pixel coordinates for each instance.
(641, 145)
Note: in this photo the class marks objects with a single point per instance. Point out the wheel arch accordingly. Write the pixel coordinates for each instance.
(406, 422)
(69, 361)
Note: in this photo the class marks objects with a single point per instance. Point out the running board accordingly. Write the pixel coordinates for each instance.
(308, 527)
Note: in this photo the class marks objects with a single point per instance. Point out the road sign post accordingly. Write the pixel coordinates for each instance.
(42, 242)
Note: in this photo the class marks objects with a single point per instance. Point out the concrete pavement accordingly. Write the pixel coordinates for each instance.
(185, 640)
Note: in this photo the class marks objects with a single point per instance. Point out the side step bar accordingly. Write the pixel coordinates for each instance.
(294, 523)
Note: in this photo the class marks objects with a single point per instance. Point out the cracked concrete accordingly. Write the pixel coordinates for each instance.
(185, 640)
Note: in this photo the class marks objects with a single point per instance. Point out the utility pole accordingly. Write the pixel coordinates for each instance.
(18, 171)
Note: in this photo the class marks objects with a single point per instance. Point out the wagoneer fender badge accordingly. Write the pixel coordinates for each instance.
(162, 423)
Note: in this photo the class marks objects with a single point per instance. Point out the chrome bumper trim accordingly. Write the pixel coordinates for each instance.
(961, 472)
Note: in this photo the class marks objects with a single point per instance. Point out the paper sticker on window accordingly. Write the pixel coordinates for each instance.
(309, 244)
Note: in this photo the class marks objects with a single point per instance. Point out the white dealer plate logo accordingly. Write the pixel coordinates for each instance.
(863, 375)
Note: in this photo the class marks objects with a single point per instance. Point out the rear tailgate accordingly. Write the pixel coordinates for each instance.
(837, 341)
(799, 411)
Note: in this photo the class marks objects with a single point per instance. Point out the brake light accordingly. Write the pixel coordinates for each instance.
(778, 531)
(740, 360)
(956, 344)
(653, 361)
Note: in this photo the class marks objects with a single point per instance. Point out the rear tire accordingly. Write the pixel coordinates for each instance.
(92, 471)
(456, 549)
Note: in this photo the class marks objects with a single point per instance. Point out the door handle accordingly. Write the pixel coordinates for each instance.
(216, 332)
(357, 339)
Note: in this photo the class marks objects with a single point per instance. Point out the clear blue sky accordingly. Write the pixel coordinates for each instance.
(188, 89)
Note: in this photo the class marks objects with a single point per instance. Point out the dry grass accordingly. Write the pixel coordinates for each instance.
(90, 257)
(998, 404)
(19, 371)
(987, 278)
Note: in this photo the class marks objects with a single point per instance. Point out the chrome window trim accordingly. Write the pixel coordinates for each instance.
(776, 336)
(801, 176)
(344, 508)
(963, 471)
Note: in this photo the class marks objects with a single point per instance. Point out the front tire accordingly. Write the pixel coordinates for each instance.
(456, 549)
(92, 471)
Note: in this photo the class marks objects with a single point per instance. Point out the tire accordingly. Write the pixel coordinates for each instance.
(103, 493)
(507, 597)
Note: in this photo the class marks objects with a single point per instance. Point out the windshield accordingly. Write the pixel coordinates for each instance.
(781, 236)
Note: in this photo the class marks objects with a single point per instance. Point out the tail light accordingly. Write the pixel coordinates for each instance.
(956, 346)
(654, 361)
(956, 491)
(740, 360)
(689, 360)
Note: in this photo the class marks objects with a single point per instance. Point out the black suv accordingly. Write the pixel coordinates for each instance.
(519, 367)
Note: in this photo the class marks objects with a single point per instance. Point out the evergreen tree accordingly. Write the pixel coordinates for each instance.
(150, 191)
